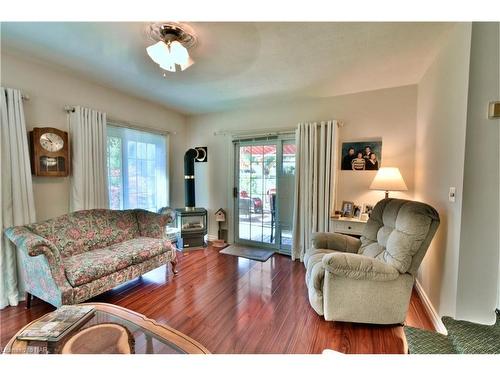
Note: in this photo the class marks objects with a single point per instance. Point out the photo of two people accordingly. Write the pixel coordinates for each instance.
(361, 155)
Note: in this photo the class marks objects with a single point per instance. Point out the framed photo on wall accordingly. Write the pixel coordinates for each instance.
(361, 155)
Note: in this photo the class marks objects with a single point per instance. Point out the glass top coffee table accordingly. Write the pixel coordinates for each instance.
(150, 337)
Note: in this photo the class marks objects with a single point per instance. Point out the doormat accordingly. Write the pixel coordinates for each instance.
(248, 252)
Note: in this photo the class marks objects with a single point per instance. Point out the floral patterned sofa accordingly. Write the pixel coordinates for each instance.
(74, 257)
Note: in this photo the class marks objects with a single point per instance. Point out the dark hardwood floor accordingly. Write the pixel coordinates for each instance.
(235, 305)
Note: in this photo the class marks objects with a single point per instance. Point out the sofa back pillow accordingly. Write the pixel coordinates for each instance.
(87, 230)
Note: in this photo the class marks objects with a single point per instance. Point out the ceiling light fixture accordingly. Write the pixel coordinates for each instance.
(170, 50)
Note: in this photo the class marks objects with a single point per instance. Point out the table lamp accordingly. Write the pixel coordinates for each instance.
(388, 179)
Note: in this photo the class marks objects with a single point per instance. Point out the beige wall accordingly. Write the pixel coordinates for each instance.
(478, 277)
(50, 89)
(388, 113)
(440, 152)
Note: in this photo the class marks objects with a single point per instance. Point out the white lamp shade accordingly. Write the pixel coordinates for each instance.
(388, 179)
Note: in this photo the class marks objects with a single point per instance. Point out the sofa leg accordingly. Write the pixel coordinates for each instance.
(28, 300)
(174, 264)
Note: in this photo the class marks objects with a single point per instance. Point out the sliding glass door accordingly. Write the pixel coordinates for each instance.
(264, 188)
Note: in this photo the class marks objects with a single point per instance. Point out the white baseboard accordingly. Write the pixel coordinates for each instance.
(429, 308)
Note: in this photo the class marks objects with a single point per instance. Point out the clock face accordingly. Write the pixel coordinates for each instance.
(51, 142)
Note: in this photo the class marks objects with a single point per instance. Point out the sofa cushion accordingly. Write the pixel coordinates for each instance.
(87, 230)
(396, 231)
(91, 265)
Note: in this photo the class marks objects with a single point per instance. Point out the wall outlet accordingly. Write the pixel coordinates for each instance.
(451, 194)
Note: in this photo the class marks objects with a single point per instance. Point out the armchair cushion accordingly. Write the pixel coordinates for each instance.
(359, 267)
(335, 241)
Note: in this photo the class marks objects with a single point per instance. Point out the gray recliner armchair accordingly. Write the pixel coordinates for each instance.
(369, 280)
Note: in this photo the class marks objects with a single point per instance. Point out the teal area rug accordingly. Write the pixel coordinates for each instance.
(463, 338)
(248, 252)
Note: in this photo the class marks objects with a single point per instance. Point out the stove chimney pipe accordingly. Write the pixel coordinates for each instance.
(189, 198)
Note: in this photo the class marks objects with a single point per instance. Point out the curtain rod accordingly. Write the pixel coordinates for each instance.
(243, 133)
(277, 131)
(127, 124)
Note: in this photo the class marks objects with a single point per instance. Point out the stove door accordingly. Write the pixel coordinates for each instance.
(193, 223)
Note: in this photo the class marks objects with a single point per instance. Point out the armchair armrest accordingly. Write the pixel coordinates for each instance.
(359, 267)
(335, 241)
(151, 224)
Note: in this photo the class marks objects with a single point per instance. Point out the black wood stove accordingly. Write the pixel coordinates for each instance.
(191, 220)
(193, 228)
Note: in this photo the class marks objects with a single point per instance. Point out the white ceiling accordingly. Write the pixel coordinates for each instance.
(237, 64)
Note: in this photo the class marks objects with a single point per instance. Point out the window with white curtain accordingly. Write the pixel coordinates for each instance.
(137, 169)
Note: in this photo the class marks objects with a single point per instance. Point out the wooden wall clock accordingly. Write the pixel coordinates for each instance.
(49, 149)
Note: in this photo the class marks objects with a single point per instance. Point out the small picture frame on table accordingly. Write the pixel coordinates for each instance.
(366, 211)
(347, 208)
(356, 212)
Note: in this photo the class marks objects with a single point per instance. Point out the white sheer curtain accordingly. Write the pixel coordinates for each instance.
(89, 187)
(16, 198)
(315, 182)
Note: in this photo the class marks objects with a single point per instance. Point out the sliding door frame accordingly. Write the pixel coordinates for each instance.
(278, 141)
